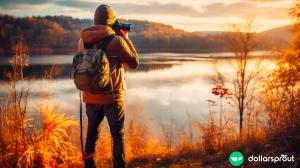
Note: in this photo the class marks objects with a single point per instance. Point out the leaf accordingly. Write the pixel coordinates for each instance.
(233, 158)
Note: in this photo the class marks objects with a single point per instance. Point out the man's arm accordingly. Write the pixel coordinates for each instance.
(128, 54)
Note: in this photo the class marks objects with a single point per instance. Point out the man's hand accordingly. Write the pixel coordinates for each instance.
(124, 34)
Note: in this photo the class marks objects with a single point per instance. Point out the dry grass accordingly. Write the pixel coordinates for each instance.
(29, 140)
(48, 145)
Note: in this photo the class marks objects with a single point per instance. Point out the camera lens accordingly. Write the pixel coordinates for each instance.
(125, 26)
(117, 26)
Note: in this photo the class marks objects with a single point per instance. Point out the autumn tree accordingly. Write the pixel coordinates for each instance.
(282, 90)
(295, 13)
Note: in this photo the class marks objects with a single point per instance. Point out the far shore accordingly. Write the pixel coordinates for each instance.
(49, 51)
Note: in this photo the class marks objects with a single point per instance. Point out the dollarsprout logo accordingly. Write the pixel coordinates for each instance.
(236, 158)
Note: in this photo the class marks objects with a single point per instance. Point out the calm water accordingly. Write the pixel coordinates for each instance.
(165, 87)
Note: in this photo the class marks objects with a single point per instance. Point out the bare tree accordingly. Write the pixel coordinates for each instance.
(241, 43)
(241, 40)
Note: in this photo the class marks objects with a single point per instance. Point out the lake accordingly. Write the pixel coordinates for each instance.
(166, 87)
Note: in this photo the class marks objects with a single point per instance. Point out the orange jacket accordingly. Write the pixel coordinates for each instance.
(120, 52)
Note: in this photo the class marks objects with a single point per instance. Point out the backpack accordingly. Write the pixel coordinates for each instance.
(91, 68)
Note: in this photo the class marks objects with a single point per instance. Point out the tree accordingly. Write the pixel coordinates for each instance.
(282, 90)
(295, 13)
(241, 41)
(221, 91)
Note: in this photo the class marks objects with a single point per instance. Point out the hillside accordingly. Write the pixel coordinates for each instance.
(59, 35)
(278, 37)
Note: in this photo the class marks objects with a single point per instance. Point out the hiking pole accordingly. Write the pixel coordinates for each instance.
(81, 139)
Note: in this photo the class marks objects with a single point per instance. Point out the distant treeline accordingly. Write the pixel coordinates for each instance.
(60, 34)
(42, 34)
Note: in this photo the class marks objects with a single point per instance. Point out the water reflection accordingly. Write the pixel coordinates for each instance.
(161, 89)
(63, 71)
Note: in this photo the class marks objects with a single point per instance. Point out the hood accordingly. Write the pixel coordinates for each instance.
(96, 33)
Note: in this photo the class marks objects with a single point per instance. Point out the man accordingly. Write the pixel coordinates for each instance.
(120, 51)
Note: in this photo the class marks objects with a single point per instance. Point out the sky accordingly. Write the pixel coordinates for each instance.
(189, 15)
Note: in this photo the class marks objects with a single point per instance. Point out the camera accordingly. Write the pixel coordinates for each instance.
(117, 26)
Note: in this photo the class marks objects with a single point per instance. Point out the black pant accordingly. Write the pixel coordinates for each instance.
(115, 116)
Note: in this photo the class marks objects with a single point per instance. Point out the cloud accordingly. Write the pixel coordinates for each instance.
(220, 10)
(78, 4)
(239, 9)
(18, 3)
(266, 0)
(130, 8)
(244, 9)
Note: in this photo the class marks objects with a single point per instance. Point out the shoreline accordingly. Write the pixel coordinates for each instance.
(209, 54)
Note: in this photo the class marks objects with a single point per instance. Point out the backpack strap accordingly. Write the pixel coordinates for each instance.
(105, 42)
(101, 44)
(88, 45)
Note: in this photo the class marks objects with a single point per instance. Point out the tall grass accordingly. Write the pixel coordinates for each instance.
(29, 140)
